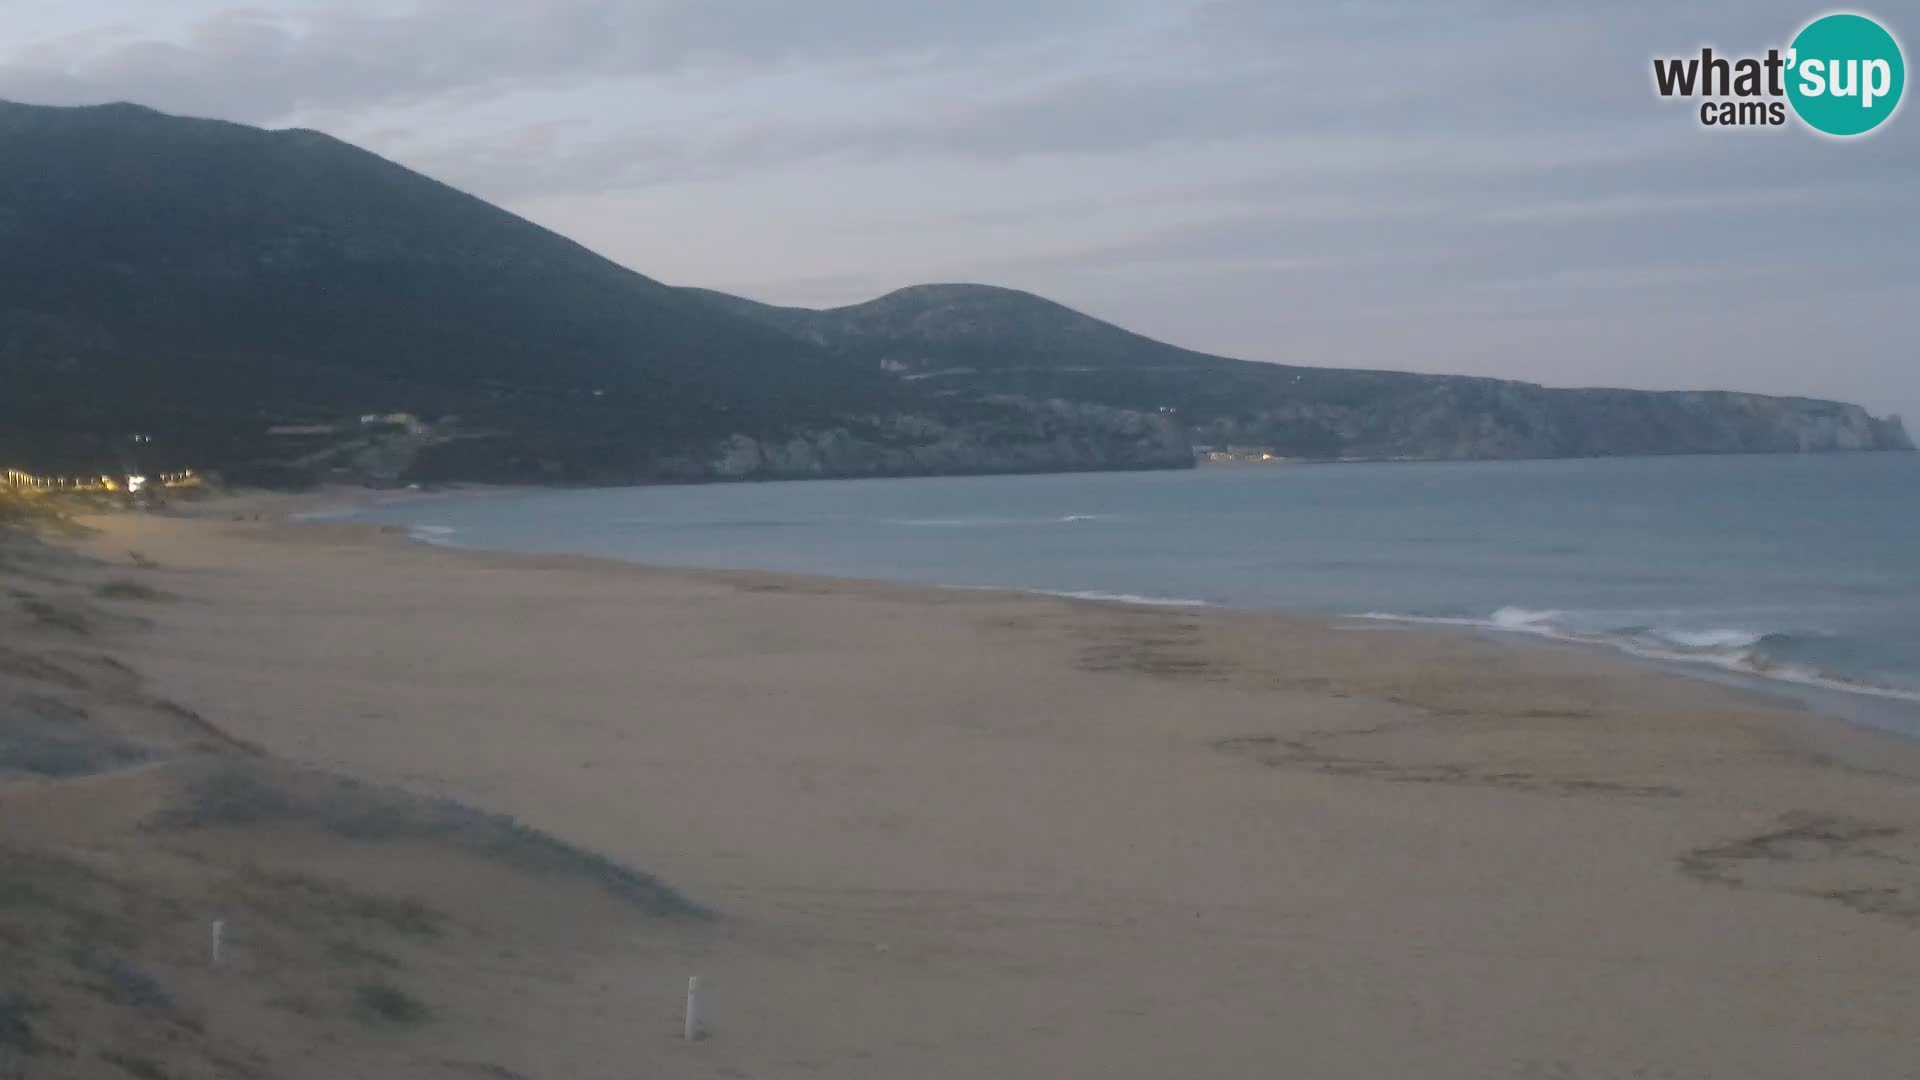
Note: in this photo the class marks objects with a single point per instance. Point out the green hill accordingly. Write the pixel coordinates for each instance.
(206, 282)
(980, 339)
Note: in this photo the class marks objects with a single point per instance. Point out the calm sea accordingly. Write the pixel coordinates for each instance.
(1803, 569)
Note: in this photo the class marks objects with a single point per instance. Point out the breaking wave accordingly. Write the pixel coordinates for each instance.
(992, 522)
(437, 535)
(1130, 598)
(1769, 654)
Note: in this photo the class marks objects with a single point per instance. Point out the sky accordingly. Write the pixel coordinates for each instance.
(1473, 186)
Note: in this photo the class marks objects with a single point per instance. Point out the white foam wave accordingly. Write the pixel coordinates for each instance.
(1129, 598)
(1529, 619)
(1735, 650)
(1711, 638)
(1092, 594)
(437, 535)
(1421, 620)
(991, 522)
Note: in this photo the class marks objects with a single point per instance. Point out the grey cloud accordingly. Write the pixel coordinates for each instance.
(1089, 115)
(254, 65)
(1366, 89)
(1086, 116)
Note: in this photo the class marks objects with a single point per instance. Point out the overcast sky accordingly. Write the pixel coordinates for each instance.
(1488, 188)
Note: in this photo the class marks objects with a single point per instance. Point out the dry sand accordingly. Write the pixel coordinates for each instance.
(965, 834)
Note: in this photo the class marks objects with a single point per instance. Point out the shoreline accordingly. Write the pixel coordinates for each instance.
(1894, 712)
(334, 520)
(958, 833)
(1887, 709)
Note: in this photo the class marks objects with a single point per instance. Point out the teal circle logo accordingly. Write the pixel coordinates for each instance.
(1845, 74)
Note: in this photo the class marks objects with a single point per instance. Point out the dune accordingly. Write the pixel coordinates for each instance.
(361, 925)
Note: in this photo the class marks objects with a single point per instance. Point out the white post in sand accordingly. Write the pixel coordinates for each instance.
(219, 941)
(693, 1008)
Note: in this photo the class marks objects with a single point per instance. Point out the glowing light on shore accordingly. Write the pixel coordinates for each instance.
(20, 480)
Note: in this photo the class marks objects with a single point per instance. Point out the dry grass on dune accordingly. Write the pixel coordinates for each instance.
(128, 823)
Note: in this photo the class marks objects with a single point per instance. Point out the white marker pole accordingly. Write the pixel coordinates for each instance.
(693, 1008)
(219, 941)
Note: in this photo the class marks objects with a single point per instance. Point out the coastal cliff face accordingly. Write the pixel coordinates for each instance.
(980, 339)
(997, 435)
(1051, 436)
(1450, 421)
(1890, 433)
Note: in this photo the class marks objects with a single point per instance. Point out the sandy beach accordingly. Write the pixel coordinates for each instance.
(973, 834)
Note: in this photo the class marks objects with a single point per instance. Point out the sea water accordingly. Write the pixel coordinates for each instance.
(1797, 568)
